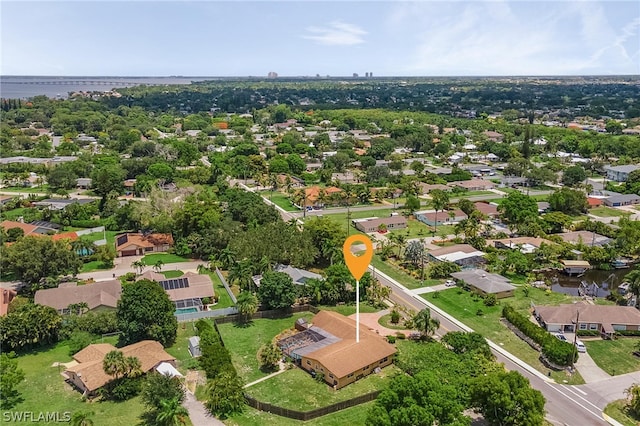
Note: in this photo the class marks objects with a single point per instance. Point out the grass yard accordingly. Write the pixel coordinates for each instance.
(385, 321)
(96, 236)
(473, 194)
(351, 416)
(244, 341)
(414, 229)
(464, 306)
(396, 273)
(281, 200)
(16, 213)
(604, 211)
(358, 214)
(615, 356)
(224, 300)
(180, 348)
(280, 389)
(618, 411)
(42, 189)
(172, 274)
(44, 389)
(347, 310)
(94, 265)
(151, 259)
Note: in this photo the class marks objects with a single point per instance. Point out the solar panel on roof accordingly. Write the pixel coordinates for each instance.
(174, 283)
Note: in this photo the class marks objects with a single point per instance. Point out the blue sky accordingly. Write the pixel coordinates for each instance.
(337, 38)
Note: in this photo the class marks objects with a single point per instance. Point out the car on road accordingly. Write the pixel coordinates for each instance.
(580, 346)
(560, 336)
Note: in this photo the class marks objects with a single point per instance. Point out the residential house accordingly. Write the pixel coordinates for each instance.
(83, 183)
(463, 255)
(185, 291)
(62, 203)
(523, 244)
(88, 374)
(594, 202)
(298, 276)
(328, 347)
(488, 209)
(474, 184)
(138, 244)
(426, 188)
(485, 283)
(346, 177)
(319, 197)
(7, 296)
(373, 224)
(584, 237)
(620, 173)
(606, 319)
(39, 229)
(446, 217)
(622, 200)
(493, 136)
(98, 296)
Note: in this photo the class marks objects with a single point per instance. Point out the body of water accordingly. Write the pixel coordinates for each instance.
(23, 87)
(606, 280)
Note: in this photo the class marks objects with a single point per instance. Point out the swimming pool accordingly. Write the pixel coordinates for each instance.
(185, 311)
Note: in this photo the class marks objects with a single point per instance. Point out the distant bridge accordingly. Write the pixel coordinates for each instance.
(78, 82)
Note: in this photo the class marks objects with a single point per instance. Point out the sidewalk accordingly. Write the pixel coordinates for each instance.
(198, 413)
(283, 368)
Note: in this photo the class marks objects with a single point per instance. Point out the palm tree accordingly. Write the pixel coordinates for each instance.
(331, 251)
(401, 239)
(171, 413)
(633, 278)
(273, 183)
(158, 265)
(440, 201)
(423, 322)
(82, 418)
(139, 266)
(114, 364)
(226, 257)
(247, 304)
(240, 274)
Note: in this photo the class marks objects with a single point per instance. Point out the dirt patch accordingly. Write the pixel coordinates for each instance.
(193, 379)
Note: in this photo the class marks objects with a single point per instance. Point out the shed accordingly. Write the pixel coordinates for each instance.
(194, 346)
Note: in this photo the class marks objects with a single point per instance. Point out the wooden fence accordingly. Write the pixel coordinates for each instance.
(308, 415)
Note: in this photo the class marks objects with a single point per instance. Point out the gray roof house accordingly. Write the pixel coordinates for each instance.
(485, 283)
(620, 173)
(299, 276)
(99, 295)
(622, 200)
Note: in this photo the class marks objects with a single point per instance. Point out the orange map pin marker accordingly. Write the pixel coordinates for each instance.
(357, 264)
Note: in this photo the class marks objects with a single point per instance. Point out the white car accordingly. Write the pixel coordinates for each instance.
(580, 346)
(450, 283)
(560, 336)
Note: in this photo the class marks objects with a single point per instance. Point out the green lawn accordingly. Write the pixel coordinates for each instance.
(244, 342)
(604, 211)
(94, 265)
(44, 189)
(385, 321)
(464, 306)
(618, 411)
(281, 200)
(224, 300)
(96, 236)
(151, 259)
(16, 213)
(347, 310)
(45, 390)
(180, 348)
(414, 229)
(358, 214)
(280, 389)
(172, 274)
(396, 273)
(351, 416)
(615, 356)
(473, 194)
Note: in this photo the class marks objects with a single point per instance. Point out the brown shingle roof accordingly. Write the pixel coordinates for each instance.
(347, 356)
(149, 352)
(595, 314)
(200, 285)
(140, 240)
(10, 224)
(103, 293)
(465, 248)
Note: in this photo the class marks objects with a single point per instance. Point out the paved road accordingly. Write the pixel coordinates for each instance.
(123, 265)
(566, 405)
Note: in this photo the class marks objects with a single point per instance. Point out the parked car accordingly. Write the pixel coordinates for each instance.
(560, 336)
(450, 283)
(580, 346)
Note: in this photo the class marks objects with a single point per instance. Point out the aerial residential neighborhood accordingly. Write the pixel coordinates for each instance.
(342, 220)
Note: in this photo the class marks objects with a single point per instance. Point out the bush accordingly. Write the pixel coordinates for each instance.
(395, 317)
(391, 339)
(400, 336)
(122, 389)
(479, 312)
(555, 350)
(490, 300)
(78, 341)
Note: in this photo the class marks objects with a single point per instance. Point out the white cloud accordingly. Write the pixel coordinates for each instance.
(337, 33)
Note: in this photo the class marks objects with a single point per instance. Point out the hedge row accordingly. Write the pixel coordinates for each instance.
(555, 350)
(215, 359)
